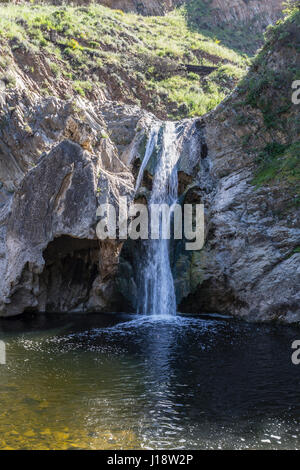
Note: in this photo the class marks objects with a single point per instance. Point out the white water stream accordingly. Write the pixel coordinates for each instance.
(157, 284)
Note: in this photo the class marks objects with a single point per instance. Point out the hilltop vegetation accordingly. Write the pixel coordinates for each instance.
(99, 53)
(267, 89)
(93, 51)
(244, 36)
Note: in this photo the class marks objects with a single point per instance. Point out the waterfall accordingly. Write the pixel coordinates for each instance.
(152, 142)
(156, 280)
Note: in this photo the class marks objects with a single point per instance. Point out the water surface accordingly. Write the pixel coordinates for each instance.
(132, 382)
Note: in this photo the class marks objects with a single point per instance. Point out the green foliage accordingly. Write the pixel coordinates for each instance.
(104, 135)
(191, 99)
(8, 79)
(55, 68)
(237, 36)
(269, 91)
(278, 162)
(136, 56)
(260, 85)
(82, 87)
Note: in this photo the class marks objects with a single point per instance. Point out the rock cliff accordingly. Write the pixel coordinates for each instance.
(249, 182)
(237, 23)
(60, 158)
(51, 258)
(252, 249)
(264, 11)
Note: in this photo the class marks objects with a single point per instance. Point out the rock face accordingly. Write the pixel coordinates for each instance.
(60, 159)
(223, 12)
(143, 7)
(239, 24)
(57, 199)
(250, 265)
(51, 258)
(262, 12)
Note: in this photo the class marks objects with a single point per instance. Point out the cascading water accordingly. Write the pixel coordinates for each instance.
(152, 142)
(157, 284)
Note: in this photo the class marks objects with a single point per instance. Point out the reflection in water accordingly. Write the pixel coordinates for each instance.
(125, 382)
(161, 402)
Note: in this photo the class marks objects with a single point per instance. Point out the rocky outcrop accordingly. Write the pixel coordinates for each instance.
(239, 24)
(243, 11)
(52, 180)
(143, 7)
(60, 159)
(250, 265)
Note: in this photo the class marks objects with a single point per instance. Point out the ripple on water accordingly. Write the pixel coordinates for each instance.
(138, 382)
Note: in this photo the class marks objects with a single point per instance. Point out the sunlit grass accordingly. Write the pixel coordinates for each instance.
(197, 100)
(120, 43)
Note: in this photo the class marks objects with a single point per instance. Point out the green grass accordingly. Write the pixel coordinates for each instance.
(135, 56)
(192, 98)
(81, 87)
(240, 37)
(268, 90)
(170, 36)
(279, 162)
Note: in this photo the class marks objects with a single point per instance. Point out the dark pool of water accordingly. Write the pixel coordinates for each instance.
(129, 382)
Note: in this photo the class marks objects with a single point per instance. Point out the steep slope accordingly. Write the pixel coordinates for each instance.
(105, 54)
(60, 156)
(237, 23)
(250, 265)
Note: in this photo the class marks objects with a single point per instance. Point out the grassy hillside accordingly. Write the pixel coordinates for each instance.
(267, 89)
(93, 51)
(242, 37)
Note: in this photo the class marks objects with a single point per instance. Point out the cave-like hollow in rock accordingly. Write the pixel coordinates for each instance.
(71, 266)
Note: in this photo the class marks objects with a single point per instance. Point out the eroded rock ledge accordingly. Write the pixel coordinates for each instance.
(60, 159)
(76, 158)
(51, 259)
